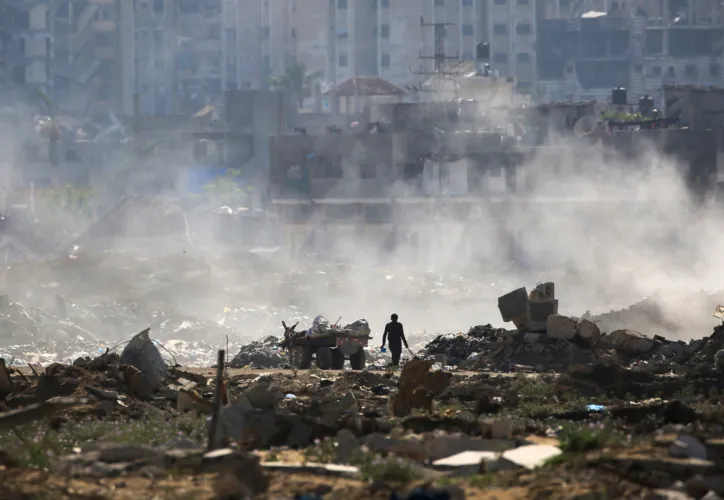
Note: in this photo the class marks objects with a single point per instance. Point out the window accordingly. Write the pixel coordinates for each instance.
(368, 171)
(522, 57)
(294, 32)
(715, 70)
(341, 4)
(500, 29)
(691, 70)
(231, 33)
(158, 6)
(385, 60)
(500, 57)
(71, 155)
(523, 29)
(385, 31)
(385, 4)
(467, 30)
(524, 87)
(158, 37)
(467, 2)
(342, 61)
(656, 70)
(439, 3)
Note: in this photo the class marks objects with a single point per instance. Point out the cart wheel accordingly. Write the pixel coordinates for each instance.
(358, 360)
(324, 358)
(300, 357)
(337, 359)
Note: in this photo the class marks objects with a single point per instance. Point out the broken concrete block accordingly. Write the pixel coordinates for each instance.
(142, 354)
(417, 388)
(440, 445)
(263, 396)
(688, 447)
(241, 473)
(261, 429)
(561, 327)
(347, 446)
(514, 304)
(469, 460)
(629, 341)
(531, 456)
(588, 331)
(412, 448)
(497, 428)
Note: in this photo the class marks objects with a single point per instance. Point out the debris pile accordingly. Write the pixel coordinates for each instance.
(266, 353)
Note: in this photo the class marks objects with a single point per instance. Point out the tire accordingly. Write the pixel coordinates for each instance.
(300, 357)
(324, 358)
(337, 359)
(358, 360)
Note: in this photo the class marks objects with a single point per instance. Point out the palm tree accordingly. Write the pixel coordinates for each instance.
(296, 80)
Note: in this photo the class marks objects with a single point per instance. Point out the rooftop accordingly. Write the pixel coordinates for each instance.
(366, 86)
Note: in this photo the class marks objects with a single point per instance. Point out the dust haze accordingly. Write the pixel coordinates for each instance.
(608, 232)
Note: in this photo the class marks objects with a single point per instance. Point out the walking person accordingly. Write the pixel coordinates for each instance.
(396, 335)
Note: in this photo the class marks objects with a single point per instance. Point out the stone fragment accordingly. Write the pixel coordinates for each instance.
(559, 327)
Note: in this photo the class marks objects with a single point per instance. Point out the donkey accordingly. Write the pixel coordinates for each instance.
(289, 333)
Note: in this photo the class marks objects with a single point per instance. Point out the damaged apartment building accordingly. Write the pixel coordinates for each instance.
(587, 48)
(74, 50)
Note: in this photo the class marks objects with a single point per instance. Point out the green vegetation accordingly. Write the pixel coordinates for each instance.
(385, 470)
(37, 445)
(296, 80)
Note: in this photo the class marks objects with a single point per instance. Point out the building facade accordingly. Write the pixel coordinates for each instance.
(75, 51)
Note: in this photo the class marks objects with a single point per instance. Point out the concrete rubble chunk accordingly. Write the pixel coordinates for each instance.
(466, 459)
(259, 428)
(240, 473)
(688, 447)
(531, 456)
(417, 388)
(497, 428)
(588, 331)
(559, 327)
(628, 341)
(142, 354)
(347, 446)
(313, 468)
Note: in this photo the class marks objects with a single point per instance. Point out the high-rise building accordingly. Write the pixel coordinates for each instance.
(587, 48)
(73, 50)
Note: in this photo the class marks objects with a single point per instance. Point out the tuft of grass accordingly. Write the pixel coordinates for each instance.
(581, 439)
(38, 446)
(323, 452)
(385, 470)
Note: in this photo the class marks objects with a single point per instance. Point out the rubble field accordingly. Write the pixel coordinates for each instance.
(202, 406)
(134, 425)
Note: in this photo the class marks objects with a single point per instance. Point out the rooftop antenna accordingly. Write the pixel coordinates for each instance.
(439, 56)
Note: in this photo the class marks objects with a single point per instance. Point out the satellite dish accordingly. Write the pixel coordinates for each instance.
(585, 125)
(675, 110)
